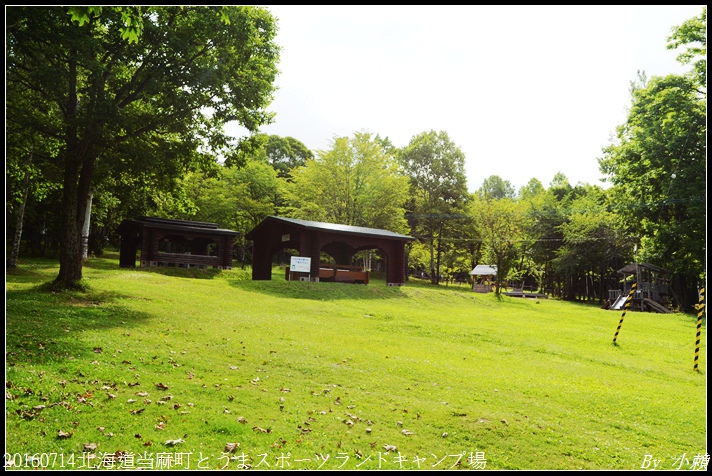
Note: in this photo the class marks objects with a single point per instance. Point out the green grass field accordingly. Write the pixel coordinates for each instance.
(201, 369)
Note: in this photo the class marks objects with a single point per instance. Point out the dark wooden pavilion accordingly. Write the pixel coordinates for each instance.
(181, 243)
(341, 242)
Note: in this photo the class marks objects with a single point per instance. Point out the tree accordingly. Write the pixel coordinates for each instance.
(532, 189)
(658, 171)
(544, 215)
(152, 101)
(494, 187)
(690, 33)
(595, 245)
(438, 191)
(285, 154)
(499, 222)
(354, 183)
(237, 198)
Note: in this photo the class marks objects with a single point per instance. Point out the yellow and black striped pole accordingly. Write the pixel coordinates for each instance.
(700, 313)
(625, 308)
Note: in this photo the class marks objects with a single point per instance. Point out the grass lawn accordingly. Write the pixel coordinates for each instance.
(203, 369)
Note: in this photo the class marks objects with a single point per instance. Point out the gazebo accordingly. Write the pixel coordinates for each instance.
(341, 242)
(489, 272)
(179, 243)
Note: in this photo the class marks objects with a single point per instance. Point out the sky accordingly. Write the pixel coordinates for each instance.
(524, 91)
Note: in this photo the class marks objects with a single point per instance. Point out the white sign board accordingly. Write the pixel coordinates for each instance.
(300, 263)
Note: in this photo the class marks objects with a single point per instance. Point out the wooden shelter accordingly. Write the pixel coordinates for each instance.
(181, 243)
(653, 291)
(342, 242)
(486, 274)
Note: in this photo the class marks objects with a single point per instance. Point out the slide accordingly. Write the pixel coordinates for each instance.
(619, 302)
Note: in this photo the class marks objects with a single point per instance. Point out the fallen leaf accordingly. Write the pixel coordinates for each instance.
(390, 448)
(89, 447)
(98, 350)
(262, 430)
(64, 434)
(174, 442)
(231, 447)
(136, 412)
(241, 420)
(142, 394)
(407, 432)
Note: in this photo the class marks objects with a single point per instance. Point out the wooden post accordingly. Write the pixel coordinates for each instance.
(625, 308)
(700, 313)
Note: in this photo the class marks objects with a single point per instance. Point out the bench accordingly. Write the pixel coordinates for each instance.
(340, 273)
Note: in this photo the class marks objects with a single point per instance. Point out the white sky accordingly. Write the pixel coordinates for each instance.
(524, 91)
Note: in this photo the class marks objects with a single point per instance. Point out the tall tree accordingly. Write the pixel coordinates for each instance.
(595, 245)
(354, 183)
(499, 222)
(151, 97)
(286, 153)
(494, 187)
(658, 171)
(438, 191)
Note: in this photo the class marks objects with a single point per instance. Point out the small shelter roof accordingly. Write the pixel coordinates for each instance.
(484, 270)
(331, 227)
(631, 268)
(181, 226)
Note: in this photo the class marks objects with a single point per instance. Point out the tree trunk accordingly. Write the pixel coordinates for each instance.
(70, 258)
(12, 260)
(85, 228)
(79, 165)
(433, 278)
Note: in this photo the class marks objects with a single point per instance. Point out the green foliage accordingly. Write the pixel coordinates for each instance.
(354, 183)
(692, 34)
(147, 109)
(495, 188)
(435, 166)
(285, 154)
(500, 224)
(658, 169)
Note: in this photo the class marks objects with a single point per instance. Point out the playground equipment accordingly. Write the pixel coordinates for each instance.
(653, 292)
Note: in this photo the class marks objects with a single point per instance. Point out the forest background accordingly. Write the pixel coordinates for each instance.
(120, 112)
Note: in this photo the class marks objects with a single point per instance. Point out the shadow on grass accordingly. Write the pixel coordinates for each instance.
(195, 273)
(322, 291)
(42, 327)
